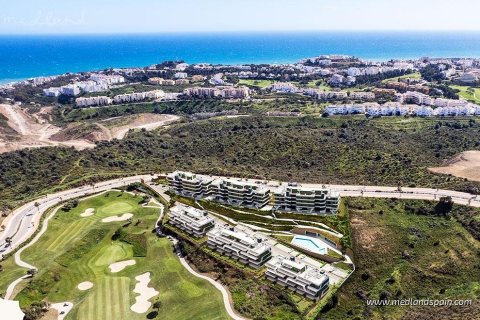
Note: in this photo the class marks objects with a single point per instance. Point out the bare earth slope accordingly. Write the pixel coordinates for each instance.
(33, 130)
(465, 165)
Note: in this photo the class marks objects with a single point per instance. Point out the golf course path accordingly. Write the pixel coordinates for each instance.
(225, 294)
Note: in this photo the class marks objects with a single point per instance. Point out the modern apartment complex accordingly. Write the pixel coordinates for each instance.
(249, 249)
(305, 280)
(240, 193)
(235, 192)
(294, 198)
(191, 220)
(189, 184)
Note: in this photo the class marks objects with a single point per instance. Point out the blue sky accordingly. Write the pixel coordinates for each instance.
(138, 16)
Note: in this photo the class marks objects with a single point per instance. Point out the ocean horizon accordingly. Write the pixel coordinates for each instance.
(27, 56)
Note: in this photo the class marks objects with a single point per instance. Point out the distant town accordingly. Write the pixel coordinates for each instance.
(337, 84)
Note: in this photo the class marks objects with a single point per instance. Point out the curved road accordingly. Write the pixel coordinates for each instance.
(22, 222)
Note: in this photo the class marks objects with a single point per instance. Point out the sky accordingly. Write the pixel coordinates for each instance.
(166, 16)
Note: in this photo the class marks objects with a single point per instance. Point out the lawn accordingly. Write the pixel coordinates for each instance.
(415, 75)
(255, 83)
(76, 249)
(469, 93)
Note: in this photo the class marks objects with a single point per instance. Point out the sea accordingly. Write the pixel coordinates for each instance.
(26, 56)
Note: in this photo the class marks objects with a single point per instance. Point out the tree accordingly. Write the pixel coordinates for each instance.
(32, 272)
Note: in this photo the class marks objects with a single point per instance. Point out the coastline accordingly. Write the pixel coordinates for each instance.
(25, 57)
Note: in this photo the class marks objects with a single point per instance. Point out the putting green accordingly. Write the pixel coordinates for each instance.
(116, 208)
(76, 249)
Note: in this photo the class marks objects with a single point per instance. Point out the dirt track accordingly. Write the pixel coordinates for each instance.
(465, 165)
(34, 131)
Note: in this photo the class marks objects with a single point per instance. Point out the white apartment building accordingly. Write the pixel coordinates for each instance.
(422, 111)
(70, 90)
(246, 247)
(202, 92)
(298, 277)
(284, 87)
(180, 75)
(417, 98)
(189, 184)
(93, 101)
(359, 95)
(235, 93)
(332, 95)
(193, 221)
(439, 102)
(240, 193)
(295, 198)
(138, 96)
(354, 72)
(51, 92)
(336, 80)
(107, 79)
(224, 92)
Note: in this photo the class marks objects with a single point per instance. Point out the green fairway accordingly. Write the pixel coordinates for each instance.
(255, 83)
(415, 75)
(469, 93)
(76, 249)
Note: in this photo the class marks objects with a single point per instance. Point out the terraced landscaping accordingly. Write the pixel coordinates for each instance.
(76, 249)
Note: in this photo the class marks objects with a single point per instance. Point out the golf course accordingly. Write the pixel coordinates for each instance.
(102, 256)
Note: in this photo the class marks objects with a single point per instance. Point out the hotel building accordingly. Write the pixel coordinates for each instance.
(305, 280)
(248, 248)
(240, 193)
(193, 221)
(189, 184)
(293, 198)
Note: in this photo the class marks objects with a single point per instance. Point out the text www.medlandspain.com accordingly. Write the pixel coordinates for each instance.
(419, 302)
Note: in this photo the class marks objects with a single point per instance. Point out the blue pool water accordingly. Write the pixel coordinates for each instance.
(29, 56)
(309, 243)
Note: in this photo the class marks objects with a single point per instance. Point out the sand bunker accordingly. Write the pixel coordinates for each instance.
(85, 285)
(145, 293)
(119, 266)
(123, 217)
(465, 165)
(87, 213)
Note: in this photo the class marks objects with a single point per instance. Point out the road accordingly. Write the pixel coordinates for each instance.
(462, 198)
(22, 222)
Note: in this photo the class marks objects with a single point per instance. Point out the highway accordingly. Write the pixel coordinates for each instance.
(22, 222)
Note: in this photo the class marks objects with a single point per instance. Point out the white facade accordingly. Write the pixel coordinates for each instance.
(93, 101)
(189, 184)
(240, 193)
(247, 248)
(284, 87)
(191, 220)
(294, 198)
(298, 277)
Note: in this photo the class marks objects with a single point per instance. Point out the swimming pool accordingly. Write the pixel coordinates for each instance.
(311, 244)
